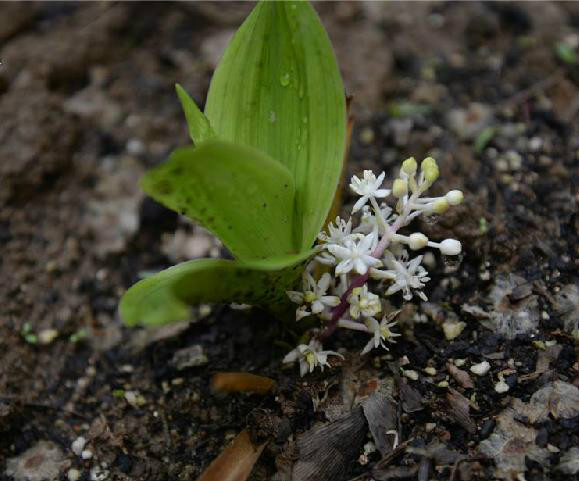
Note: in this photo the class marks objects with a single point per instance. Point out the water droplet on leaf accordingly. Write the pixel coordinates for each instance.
(284, 80)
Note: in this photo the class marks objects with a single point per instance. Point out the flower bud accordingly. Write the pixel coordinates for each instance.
(428, 163)
(409, 166)
(417, 241)
(400, 188)
(431, 173)
(454, 197)
(450, 247)
(440, 206)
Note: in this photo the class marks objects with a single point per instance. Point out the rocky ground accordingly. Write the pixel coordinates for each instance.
(87, 104)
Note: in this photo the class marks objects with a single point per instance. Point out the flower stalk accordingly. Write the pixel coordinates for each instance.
(372, 252)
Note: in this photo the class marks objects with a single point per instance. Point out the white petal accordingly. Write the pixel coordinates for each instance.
(381, 193)
(414, 263)
(366, 242)
(360, 203)
(303, 367)
(331, 301)
(371, 261)
(324, 283)
(393, 289)
(339, 251)
(317, 307)
(380, 178)
(360, 266)
(368, 347)
(295, 296)
(356, 326)
(291, 356)
(378, 274)
(310, 283)
(344, 267)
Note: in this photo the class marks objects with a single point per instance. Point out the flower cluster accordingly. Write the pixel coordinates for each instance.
(370, 254)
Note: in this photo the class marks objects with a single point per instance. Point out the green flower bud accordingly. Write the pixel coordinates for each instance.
(400, 188)
(409, 166)
(431, 173)
(427, 163)
(440, 206)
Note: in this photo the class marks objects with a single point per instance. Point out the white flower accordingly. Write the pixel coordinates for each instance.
(310, 356)
(338, 233)
(367, 187)
(314, 294)
(380, 332)
(407, 275)
(368, 222)
(364, 302)
(355, 255)
(326, 259)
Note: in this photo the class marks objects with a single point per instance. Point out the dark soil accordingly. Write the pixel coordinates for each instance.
(87, 104)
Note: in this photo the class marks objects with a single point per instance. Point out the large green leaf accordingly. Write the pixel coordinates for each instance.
(199, 127)
(240, 194)
(278, 89)
(165, 297)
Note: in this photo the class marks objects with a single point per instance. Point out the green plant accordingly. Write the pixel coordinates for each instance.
(263, 170)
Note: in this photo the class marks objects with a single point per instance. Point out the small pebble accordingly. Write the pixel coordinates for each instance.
(459, 362)
(485, 276)
(86, 454)
(73, 474)
(501, 387)
(46, 336)
(78, 445)
(430, 427)
(431, 371)
(367, 136)
(98, 473)
(410, 374)
(135, 147)
(452, 329)
(480, 369)
(443, 384)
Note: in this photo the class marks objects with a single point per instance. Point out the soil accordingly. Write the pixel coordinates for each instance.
(87, 104)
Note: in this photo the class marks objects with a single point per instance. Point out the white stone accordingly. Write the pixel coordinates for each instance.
(73, 474)
(481, 368)
(46, 336)
(410, 374)
(501, 387)
(452, 329)
(78, 445)
(86, 454)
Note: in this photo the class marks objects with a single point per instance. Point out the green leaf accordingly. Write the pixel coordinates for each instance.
(278, 89)
(483, 139)
(165, 297)
(199, 127)
(240, 194)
